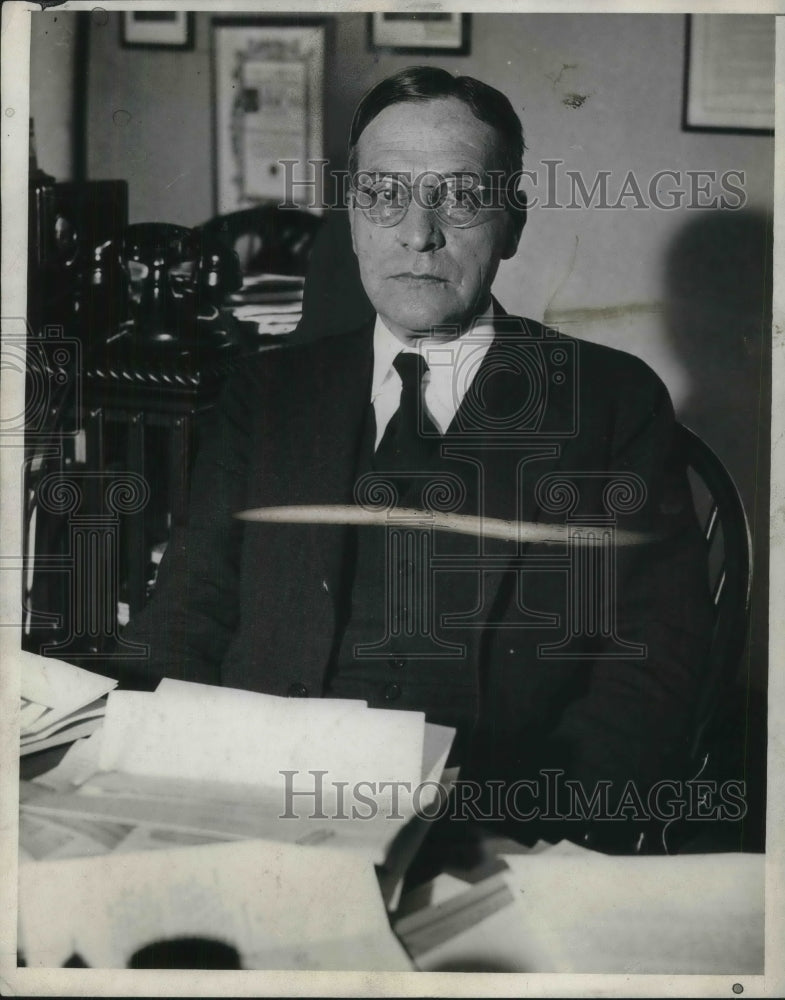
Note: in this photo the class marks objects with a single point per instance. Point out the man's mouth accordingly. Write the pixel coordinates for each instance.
(412, 276)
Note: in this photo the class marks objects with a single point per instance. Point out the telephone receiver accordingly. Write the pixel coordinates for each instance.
(173, 278)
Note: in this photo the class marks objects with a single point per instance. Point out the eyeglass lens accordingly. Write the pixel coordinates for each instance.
(385, 199)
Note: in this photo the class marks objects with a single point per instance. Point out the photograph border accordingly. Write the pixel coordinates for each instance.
(180, 982)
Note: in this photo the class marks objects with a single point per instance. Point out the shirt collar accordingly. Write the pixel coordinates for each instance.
(387, 347)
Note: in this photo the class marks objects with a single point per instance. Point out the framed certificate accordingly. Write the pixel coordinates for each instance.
(268, 108)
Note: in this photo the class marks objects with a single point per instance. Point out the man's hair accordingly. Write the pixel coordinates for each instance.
(428, 83)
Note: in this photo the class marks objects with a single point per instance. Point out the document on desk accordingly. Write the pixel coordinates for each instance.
(690, 913)
(280, 906)
(198, 732)
(59, 701)
(567, 909)
(228, 814)
(60, 687)
(226, 764)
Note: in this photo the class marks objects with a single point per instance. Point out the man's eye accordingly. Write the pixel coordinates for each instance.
(386, 191)
(463, 198)
(377, 194)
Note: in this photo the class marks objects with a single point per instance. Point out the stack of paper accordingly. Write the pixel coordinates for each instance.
(59, 702)
(139, 827)
(220, 763)
(274, 302)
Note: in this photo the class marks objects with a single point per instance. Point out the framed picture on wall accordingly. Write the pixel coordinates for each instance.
(729, 73)
(435, 33)
(158, 29)
(268, 82)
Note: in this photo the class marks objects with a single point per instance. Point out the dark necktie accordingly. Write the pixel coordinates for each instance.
(411, 436)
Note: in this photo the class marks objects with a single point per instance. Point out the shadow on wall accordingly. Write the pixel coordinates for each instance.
(718, 313)
(718, 316)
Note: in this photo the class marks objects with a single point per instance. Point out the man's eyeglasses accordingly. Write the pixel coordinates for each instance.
(457, 199)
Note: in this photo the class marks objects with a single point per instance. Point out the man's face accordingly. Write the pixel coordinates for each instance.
(422, 272)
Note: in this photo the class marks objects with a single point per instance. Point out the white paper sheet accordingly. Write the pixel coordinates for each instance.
(61, 687)
(66, 733)
(78, 764)
(29, 713)
(216, 812)
(94, 710)
(53, 838)
(206, 735)
(186, 692)
(279, 906)
(684, 914)
(580, 911)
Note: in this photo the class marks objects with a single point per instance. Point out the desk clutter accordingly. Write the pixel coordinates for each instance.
(158, 284)
(164, 303)
(218, 813)
(274, 302)
(59, 702)
(204, 817)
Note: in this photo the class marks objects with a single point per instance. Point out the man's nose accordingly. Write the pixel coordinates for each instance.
(420, 229)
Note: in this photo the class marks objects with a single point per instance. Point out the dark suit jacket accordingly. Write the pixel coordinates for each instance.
(251, 605)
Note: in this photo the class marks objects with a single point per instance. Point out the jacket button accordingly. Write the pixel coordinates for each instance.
(397, 663)
(392, 692)
(298, 690)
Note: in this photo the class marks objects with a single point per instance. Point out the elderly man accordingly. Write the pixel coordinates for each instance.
(573, 646)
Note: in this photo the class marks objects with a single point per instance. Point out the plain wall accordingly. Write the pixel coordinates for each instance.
(688, 290)
(52, 54)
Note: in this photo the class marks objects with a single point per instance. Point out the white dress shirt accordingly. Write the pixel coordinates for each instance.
(452, 366)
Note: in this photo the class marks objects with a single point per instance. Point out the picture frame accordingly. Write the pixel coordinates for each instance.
(729, 73)
(268, 108)
(434, 33)
(157, 29)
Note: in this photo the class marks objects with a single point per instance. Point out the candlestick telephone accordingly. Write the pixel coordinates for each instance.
(158, 283)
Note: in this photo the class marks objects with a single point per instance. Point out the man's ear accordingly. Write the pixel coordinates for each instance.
(352, 210)
(517, 215)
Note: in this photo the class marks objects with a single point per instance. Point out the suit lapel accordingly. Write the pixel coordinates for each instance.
(337, 412)
(511, 422)
(329, 436)
(502, 440)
